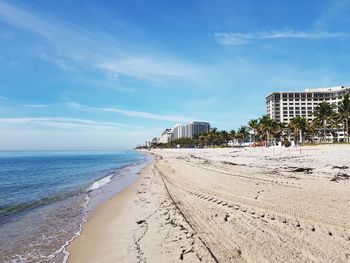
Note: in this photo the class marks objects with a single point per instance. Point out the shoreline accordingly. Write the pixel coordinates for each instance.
(96, 222)
(140, 224)
(55, 194)
(99, 208)
(226, 205)
(93, 203)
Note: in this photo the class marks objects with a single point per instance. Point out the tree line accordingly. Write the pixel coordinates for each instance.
(266, 131)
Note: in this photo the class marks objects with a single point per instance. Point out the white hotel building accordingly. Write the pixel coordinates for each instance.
(182, 131)
(284, 106)
(189, 130)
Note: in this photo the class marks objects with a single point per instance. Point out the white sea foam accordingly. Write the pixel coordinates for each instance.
(96, 185)
(62, 249)
(100, 183)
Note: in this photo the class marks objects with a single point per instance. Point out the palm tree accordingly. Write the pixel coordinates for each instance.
(299, 124)
(214, 130)
(344, 114)
(224, 136)
(278, 129)
(311, 129)
(266, 127)
(242, 133)
(232, 134)
(253, 125)
(323, 114)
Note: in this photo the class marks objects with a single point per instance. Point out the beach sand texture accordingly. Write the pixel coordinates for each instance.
(227, 205)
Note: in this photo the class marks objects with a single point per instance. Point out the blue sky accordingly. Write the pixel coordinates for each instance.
(102, 75)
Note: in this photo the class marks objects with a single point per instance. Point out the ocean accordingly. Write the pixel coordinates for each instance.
(46, 196)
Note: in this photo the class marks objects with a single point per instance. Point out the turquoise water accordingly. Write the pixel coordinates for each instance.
(46, 196)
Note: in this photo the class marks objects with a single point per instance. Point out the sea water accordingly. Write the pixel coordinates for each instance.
(45, 197)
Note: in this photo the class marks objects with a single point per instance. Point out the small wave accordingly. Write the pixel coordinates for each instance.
(100, 183)
(63, 249)
(10, 210)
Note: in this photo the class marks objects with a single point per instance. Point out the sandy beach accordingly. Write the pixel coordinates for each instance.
(227, 205)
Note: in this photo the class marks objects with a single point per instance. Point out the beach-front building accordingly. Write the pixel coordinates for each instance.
(180, 131)
(284, 106)
(189, 130)
(196, 128)
(166, 136)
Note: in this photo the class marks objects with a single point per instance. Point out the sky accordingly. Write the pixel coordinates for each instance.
(106, 75)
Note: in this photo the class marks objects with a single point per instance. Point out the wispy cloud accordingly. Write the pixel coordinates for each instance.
(149, 67)
(228, 38)
(24, 20)
(35, 106)
(98, 50)
(3, 98)
(132, 113)
(61, 133)
(61, 122)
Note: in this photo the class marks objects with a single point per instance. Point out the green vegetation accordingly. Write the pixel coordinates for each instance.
(267, 131)
(344, 114)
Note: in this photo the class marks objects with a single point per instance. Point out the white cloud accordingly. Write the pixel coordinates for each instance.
(227, 38)
(35, 106)
(60, 122)
(131, 113)
(149, 67)
(98, 50)
(59, 133)
(3, 98)
(25, 20)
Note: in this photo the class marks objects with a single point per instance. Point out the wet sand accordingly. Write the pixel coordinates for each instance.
(227, 205)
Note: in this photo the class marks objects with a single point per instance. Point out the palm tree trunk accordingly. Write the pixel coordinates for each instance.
(347, 128)
(301, 136)
(324, 130)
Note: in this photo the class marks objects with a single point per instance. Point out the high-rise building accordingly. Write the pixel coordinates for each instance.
(197, 128)
(189, 130)
(180, 131)
(177, 132)
(166, 136)
(284, 106)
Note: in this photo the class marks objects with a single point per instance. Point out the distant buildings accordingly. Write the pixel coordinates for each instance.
(189, 130)
(180, 131)
(166, 136)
